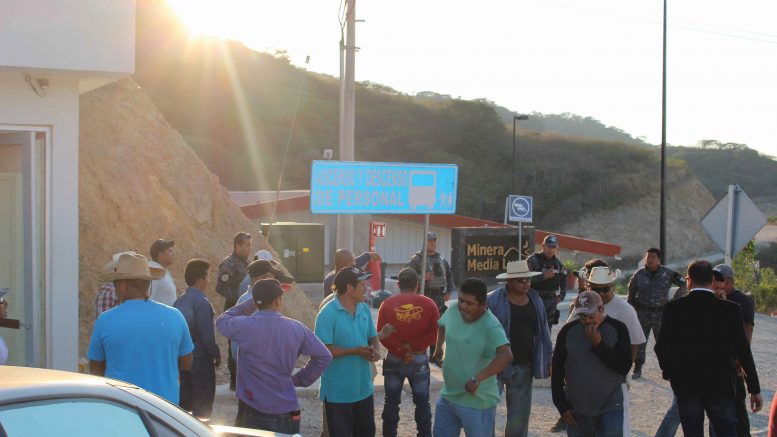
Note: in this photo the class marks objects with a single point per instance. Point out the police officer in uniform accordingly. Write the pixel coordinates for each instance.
(552, 283)
(438, 284)
(648, 293)
(231, 273)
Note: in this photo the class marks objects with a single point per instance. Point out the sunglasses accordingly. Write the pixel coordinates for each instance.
(521, 280)
(601, 290)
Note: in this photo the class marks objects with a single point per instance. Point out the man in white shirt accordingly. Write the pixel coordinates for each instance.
(601, 279)
(163, 255)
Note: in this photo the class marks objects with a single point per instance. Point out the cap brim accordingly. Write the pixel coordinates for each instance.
(577, 311)
(283, 278)
(364, 276)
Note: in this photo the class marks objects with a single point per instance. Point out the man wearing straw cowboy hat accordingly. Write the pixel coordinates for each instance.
(521, 312)
(141, 341)
(601, 280)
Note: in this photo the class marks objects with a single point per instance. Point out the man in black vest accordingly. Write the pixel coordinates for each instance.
(701, 338)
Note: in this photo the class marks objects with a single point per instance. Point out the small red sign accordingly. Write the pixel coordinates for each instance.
(378, 230)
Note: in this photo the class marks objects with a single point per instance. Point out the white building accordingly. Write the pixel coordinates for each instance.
(51, 51)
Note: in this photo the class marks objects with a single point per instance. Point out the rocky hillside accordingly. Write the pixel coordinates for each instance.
(140, 181)
(634, 225)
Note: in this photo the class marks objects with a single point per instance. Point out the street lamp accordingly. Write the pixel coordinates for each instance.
(516, 118)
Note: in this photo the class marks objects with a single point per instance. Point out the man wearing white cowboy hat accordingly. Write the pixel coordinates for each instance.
(141, 341)
(590, 362)
(521, 312)
(601, 280)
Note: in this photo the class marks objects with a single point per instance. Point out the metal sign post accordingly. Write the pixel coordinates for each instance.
(423, 255)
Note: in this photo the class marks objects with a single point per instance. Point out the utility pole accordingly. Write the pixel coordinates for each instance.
(662, 225)
(344, 237)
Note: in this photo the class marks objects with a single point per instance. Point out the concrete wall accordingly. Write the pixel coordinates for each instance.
(58, 110)
(69, 37)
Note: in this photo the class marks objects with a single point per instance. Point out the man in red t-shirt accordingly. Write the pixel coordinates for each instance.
(414, 318)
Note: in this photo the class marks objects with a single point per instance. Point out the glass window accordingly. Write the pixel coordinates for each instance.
(81, 417)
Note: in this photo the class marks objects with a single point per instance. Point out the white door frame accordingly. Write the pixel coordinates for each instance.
(32, 240)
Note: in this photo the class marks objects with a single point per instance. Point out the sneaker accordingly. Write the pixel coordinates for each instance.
(559, 426)
(637, 372)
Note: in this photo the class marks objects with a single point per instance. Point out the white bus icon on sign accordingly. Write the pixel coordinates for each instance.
(422, 189)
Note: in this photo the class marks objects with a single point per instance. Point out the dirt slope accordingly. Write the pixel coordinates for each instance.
(634, 225)
(140, 181)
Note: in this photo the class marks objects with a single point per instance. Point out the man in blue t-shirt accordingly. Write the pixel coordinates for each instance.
(345, 326)
(140, 341)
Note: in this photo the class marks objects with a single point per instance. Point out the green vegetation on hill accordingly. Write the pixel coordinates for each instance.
(719, 165)
(235, 106)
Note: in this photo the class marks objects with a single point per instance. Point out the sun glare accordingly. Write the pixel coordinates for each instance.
(205, 17)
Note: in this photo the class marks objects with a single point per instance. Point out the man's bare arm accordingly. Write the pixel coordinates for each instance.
(185, 362)
(97, 367)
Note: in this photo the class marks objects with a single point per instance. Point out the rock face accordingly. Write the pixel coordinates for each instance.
(687, 202)
(140, 181)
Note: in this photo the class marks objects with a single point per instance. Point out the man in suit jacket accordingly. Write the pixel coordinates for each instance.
(700, 339)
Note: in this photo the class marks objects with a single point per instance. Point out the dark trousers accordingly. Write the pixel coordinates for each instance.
(198, 387)
(650, 319)
(286, 423)
(354, 419)
(231, 363)
(743, 420)
(721, 412)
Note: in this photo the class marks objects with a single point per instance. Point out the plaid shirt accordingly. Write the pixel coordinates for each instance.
(106, 298)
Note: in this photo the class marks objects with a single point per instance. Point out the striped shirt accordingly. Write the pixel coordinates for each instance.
(269, 347)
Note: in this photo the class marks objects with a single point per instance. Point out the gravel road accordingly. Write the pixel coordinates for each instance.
(650, 396)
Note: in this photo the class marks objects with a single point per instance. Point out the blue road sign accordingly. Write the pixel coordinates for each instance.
(338, 187)
(520, 208)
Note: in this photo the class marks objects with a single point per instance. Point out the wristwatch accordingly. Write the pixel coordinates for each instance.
(475, 380)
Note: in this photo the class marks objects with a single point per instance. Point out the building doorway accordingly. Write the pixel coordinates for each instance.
(23, 242)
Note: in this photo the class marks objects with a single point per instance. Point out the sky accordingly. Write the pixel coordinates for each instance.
(600, 58)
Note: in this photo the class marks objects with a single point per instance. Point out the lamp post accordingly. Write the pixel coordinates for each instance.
(662, 219)
(516, 118)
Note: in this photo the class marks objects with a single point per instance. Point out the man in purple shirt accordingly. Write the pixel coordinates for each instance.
(269, 347)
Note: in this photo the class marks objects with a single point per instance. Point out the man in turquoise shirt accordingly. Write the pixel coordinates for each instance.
(476, 349)
(345, 326)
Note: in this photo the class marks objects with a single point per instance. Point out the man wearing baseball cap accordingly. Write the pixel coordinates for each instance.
(551, 284)
(270, 345)
(162, 257)
(590, 362)
(141, 341)
(438, 281)
(748, 315)
(345, 326)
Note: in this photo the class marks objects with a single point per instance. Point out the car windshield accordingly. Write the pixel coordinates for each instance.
(174, 411)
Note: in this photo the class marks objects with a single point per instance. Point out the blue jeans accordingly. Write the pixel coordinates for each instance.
(286, 423)
(671, 422)
(516, 380)
(450, 418)
(395, 371)
(609, 424)
(721, 412)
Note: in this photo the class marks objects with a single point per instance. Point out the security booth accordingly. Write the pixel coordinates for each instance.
(300, 246)
(484, 252)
